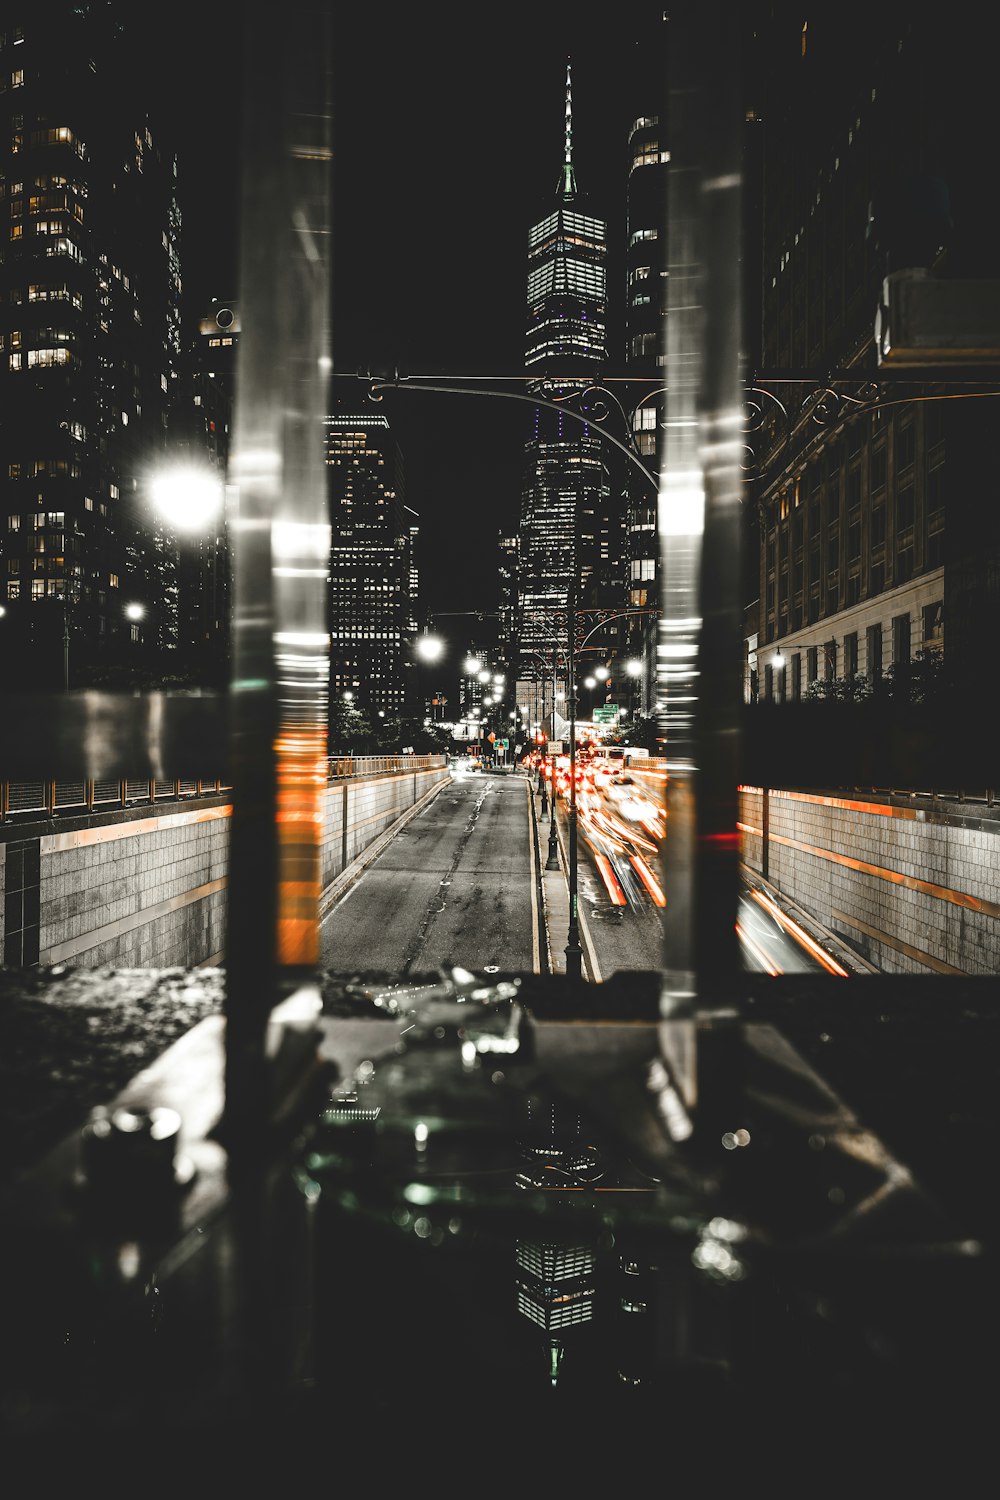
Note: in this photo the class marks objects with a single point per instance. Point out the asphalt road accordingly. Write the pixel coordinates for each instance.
(456, 887)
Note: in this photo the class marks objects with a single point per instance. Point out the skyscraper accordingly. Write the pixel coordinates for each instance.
(90, 340)
(566, 491)
(372, 538)
(645, 355)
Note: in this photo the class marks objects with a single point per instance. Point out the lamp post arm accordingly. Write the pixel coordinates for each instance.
(405, 382)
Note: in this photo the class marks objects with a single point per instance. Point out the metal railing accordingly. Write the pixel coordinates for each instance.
(24, 799)
(352, 767)
(47, 798)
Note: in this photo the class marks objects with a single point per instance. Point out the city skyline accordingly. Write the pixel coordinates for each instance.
(444, 168)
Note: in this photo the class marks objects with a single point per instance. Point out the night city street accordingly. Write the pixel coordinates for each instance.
(499, 819)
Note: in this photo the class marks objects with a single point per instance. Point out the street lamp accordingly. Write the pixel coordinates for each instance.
(188, 496)
(430, 647)
(574, 952)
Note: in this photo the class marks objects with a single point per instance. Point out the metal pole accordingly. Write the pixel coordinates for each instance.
(574, 952)
(65, 646)
(541, 785)
(552, 862)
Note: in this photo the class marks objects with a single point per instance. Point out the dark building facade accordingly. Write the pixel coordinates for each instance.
(90, 346)
(879, 539)
(203, 555)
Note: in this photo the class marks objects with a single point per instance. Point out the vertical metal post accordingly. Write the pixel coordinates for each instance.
(574, 953)
(552, 861)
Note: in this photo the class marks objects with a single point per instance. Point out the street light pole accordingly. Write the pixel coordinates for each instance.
(573, 950)
(574, 953)
(552, 862)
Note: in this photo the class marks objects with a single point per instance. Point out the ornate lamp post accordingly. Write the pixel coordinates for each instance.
(575, 645)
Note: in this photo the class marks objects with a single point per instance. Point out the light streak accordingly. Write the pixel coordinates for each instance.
(648, 879)
(756, 952)
(800, 935)
(618, 897)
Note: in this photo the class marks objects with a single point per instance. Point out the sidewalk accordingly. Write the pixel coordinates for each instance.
(554, 886)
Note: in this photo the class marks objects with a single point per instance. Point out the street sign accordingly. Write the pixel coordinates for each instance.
(491, 737)
(505, 744)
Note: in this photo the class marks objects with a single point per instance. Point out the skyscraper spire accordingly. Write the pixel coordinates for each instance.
(567, 178)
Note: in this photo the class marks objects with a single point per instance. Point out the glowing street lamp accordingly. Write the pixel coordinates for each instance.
(430, 647)
(188, 497)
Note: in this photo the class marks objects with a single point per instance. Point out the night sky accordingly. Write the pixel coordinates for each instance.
(448, 136)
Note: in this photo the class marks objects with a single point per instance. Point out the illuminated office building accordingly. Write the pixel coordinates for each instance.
(371, 565)
(566, 490)
(90, 339)
(645, 356)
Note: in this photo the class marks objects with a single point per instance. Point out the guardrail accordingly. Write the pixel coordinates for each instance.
(49, 798)
(353, 767)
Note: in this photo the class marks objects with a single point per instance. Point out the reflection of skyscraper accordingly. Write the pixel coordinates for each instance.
(556, 1288)
(566, 489)
(372, 533)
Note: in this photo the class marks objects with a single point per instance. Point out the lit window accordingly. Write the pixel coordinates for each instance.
(48, 356)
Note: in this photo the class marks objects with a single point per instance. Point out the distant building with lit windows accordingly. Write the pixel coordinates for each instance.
(373, 536)
(90, 342)
(566, 489)
(645, 356)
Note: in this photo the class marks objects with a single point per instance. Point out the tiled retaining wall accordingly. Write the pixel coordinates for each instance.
(143, 888)
(913, 885)
(358, 812)
(146, 887)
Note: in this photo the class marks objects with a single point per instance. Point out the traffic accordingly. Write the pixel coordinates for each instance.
(621, 818)
(620, 821)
